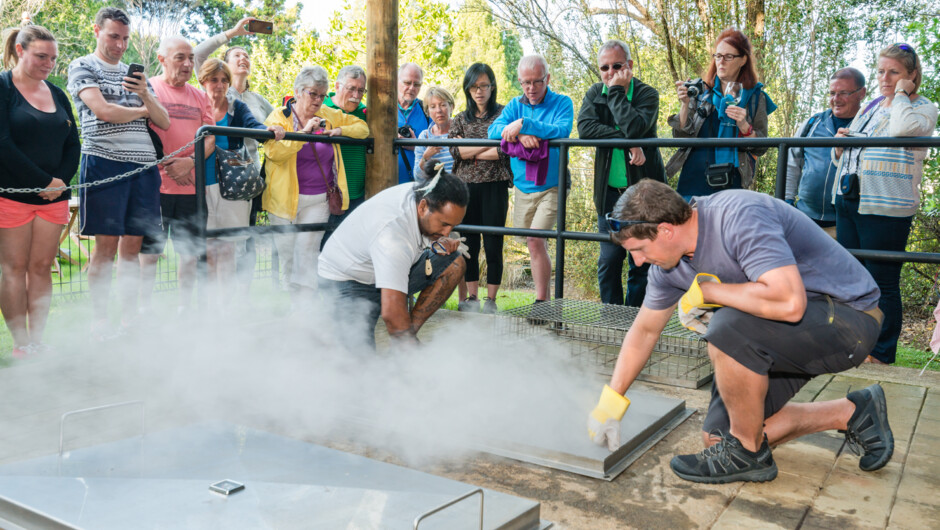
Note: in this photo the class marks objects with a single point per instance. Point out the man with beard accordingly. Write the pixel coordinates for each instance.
(393, 246)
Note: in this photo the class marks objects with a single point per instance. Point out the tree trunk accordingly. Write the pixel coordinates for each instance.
(754, 28)
(382, 65)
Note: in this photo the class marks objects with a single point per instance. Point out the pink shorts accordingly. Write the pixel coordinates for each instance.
(14, 214)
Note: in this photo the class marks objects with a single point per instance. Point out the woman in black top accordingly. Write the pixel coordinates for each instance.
(39, 148)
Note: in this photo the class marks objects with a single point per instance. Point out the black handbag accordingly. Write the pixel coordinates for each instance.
(239, 177)
(720, 176)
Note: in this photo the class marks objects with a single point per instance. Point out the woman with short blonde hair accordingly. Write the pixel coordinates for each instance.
(439, 106)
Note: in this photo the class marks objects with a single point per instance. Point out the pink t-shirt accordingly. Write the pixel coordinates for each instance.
(189, 110)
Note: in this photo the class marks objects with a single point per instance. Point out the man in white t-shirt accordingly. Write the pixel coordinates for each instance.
(396, 244)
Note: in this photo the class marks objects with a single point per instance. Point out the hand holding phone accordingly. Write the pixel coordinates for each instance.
(260, 26)
(133, 69)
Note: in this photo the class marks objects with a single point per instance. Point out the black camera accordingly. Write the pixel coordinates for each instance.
(323, 124)
(695, 87)
(404, 132)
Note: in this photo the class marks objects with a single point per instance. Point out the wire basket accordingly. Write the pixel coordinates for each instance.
(593, 332)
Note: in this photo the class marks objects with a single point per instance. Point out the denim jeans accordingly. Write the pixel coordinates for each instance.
(610, 266)
(877, 232)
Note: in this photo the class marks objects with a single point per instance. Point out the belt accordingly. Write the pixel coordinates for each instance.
(876, 314)
(618, 190)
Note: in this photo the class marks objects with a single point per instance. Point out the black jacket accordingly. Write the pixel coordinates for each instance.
(19, 171)
(600, 115)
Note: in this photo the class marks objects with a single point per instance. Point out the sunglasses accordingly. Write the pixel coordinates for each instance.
(619, 224)
(615, 66)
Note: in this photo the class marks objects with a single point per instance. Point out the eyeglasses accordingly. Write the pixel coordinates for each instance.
(618, 224)
(726, 57)
(361, 91)
(313, 95)
(412, 84)
(615, 66)
(537, 83)
(843, 93)
(478, 88)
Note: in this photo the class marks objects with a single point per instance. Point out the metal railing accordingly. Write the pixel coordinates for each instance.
(560, 234)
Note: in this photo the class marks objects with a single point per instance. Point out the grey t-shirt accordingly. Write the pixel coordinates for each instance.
(743, 234)
(123, 142)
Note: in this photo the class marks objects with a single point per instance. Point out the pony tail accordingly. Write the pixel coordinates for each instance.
(9, 48)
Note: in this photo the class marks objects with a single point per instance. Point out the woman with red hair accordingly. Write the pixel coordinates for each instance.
(728, 102)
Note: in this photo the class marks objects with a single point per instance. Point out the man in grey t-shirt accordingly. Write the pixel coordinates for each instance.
(778, 301)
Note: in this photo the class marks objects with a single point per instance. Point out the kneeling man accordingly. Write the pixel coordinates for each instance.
(778, 301)
(396, 244)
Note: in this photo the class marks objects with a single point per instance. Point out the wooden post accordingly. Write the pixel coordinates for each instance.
(382, 71)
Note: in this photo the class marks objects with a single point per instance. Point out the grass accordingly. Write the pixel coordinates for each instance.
(504, 299)
(914, 358)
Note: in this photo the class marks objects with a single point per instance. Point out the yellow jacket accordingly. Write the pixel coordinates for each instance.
(283, 191)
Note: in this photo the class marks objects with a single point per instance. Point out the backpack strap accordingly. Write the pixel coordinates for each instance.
(798, 151)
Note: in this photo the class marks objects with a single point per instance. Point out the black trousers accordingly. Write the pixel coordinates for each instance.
(488, 206)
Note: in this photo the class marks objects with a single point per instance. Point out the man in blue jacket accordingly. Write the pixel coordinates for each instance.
(526, 122)
(411, 116)
(810, 172)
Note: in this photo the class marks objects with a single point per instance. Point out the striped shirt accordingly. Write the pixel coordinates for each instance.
(443, 156)
(121, 142)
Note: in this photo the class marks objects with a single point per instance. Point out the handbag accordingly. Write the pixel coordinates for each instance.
(239, 177)
(720, 176)
(334, 195)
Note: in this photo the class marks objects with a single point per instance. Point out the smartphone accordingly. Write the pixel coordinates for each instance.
(226, 487)
(260, 26)
(133, 69)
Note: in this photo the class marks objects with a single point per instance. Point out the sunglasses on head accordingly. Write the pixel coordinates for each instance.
(615, 66)
(619, 224)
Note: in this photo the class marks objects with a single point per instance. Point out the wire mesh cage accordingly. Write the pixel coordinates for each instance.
(593, 332)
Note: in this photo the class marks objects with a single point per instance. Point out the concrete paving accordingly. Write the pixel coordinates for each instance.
(819, 484)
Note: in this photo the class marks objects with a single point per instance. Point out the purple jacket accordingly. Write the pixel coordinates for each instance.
(536, 160)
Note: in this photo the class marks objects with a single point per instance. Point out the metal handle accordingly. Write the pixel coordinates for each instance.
(95, 409)
(450, 503)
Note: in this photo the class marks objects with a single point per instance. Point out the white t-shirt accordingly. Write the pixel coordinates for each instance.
(378, 243)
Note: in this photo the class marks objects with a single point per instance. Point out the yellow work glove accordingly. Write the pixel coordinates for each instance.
(604, 421)
(694, 313)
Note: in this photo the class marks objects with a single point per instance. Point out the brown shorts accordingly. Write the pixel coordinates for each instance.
(537, 210)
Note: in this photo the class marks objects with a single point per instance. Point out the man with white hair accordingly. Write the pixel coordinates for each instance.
(189, 110)
(411, 117)
(620, 106)
(349, 89)
(524, 125)
(113, 109)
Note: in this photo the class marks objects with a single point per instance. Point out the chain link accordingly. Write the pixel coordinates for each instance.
(108, 180)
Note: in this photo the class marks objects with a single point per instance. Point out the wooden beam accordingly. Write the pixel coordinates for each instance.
(382, 70)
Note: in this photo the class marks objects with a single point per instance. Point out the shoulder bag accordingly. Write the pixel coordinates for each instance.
(334, 195)
(239, 177)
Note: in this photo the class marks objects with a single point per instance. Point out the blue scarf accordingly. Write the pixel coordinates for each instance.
(727, 128)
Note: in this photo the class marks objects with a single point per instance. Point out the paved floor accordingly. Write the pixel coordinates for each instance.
(819, 485)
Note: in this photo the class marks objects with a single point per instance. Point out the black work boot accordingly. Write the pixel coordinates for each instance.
(868, 430)
(726, 461)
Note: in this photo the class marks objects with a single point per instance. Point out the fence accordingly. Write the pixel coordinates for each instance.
(267, 265)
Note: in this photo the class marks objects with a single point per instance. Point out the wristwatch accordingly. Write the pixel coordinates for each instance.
(902, 91)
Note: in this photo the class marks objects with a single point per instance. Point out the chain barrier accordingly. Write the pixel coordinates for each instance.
(109, 180)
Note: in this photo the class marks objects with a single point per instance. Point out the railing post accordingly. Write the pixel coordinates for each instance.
(783, 155)
(202, 217)
(560, 224)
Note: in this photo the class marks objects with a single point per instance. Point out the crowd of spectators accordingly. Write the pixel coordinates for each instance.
(865, 198)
